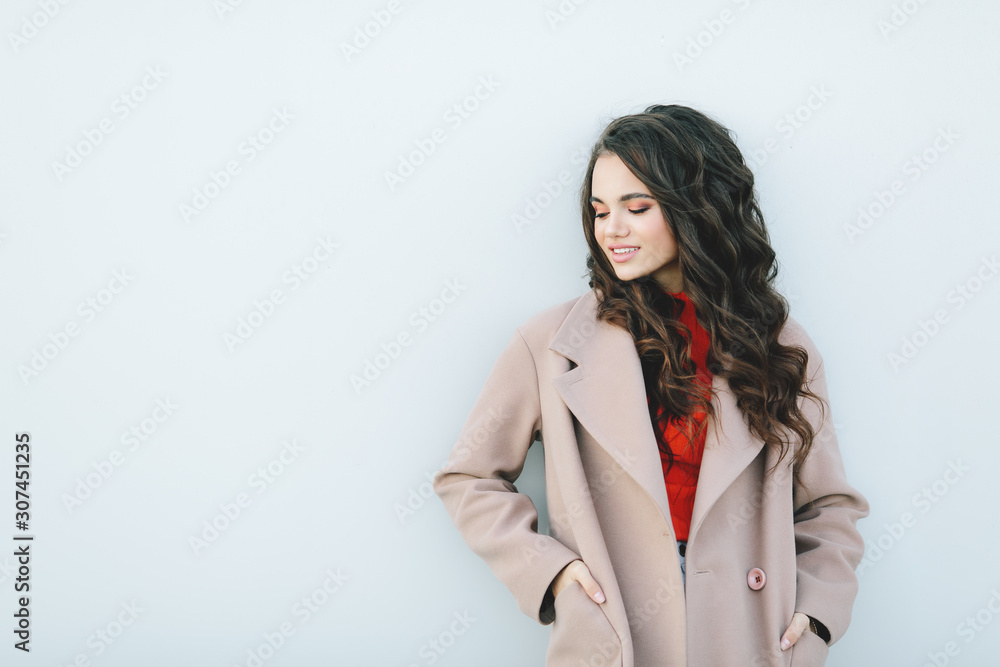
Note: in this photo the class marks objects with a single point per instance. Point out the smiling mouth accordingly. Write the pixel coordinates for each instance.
(624, 252)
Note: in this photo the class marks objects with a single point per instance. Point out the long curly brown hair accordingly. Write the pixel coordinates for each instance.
(695, 171)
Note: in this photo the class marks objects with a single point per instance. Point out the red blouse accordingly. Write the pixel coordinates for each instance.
(682, 478)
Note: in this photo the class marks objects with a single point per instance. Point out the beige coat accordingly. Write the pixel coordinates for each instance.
(576, 385)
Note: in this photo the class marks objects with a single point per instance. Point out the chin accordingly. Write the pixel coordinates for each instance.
(628, 277)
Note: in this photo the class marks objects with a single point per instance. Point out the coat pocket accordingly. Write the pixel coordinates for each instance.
(809, 651)
(581, 633)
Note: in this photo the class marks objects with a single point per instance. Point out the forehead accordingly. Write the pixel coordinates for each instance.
(612, 179)
(610, 169)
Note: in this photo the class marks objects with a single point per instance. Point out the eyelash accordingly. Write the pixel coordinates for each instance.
(641, 210)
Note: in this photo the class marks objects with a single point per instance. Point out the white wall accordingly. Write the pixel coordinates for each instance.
(331, 127)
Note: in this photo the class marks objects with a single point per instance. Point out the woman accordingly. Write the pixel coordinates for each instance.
(699, 510)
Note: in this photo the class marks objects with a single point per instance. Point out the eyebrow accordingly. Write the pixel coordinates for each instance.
(625, 198)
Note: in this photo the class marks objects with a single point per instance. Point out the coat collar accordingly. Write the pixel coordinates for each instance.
(606, 393)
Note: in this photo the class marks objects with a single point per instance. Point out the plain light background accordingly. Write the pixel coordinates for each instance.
(884, 107)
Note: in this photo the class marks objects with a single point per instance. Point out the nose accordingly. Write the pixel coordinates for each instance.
(615, 225)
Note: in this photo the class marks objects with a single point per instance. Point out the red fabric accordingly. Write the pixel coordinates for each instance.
(682, 478)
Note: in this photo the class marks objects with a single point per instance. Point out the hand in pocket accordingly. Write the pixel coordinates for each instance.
(578, 571)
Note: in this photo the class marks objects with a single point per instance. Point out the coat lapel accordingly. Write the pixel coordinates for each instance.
(606, 394)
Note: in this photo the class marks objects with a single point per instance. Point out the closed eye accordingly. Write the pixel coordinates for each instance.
(634, 211)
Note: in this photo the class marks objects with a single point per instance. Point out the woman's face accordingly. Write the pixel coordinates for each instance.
(628, 219)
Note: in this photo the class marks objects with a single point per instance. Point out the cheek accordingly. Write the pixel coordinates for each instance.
(665, 240)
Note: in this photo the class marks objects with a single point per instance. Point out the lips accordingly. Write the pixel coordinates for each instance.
(623, 253)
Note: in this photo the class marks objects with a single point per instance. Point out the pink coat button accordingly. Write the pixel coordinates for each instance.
(756, 579)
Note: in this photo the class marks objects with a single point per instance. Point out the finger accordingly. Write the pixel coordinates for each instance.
(794, 631)
(563, 577)
(590, 585)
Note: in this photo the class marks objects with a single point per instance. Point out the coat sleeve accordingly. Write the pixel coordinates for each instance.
(476, 484)
(828, 545)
